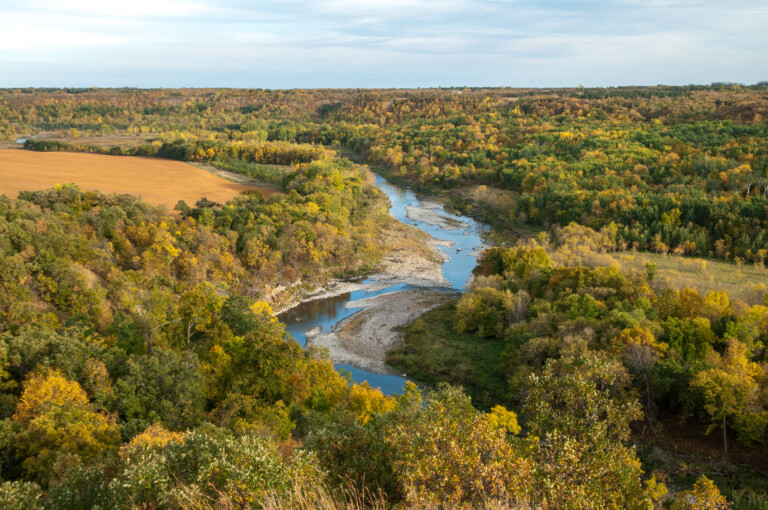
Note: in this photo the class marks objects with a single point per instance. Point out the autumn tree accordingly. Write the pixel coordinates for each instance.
(450, 454)
(580, 409)
(730, 392)
(57, 425)
(703, 496)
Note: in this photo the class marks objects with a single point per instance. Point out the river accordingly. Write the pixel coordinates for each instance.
(466, 238)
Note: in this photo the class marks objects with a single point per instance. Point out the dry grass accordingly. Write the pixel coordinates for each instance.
(157, 181)
(299, 497)
(320, 498)
(746, 281)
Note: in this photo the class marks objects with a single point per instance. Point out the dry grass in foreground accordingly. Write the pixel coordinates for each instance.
(157, 181)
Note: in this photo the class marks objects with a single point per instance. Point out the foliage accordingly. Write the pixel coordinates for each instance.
(703, 496)
(580, 408)
(448, 454)
(21, 496)
(731, 393)
(117, 316)
(164, 387)
(58, 426)
(212, 462)
(442, 453)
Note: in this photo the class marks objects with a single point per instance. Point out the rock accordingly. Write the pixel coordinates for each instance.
(311, 333)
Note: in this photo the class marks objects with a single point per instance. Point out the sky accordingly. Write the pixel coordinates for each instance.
(381, 43)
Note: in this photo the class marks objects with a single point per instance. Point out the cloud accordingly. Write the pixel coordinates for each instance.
(300, 43)
(132, 9)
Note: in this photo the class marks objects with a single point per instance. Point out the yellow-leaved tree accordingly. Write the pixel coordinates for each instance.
(704, 496)
(57, 425)
(731, 393)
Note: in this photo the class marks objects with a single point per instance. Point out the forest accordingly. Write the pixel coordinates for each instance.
(142, 366)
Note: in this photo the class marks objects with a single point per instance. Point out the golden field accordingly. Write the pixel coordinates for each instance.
(157, 181)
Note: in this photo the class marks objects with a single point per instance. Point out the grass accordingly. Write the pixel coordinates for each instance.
(432, 352)
(271, 174)
(739, 281)
(745, 282)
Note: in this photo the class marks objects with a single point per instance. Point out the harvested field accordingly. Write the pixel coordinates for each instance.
(157, 181)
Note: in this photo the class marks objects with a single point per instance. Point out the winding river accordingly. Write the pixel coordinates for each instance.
(466, 238)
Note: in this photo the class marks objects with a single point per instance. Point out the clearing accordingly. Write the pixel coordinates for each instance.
(157, 181)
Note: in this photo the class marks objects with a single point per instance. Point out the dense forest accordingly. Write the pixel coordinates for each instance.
(679, 169)
(141, 365)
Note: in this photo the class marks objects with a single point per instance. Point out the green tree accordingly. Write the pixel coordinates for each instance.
(580, 409)
(730, 393)
(165, 386)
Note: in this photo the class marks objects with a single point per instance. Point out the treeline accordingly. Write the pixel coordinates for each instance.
(266, 153)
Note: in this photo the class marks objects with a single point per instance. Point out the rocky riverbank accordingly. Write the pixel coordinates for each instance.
(363, 339)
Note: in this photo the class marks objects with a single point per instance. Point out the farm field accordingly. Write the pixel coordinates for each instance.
(157, 181)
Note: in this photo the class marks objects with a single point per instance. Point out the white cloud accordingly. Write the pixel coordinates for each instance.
(132, 9)
(523, 42)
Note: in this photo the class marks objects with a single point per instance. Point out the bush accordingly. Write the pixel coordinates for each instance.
(20, 496)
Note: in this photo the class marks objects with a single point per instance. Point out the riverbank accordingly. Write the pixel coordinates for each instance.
(428, 213)
(430, 255)
(414, 259)
(364, 339)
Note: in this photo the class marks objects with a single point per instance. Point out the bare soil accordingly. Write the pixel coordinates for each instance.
(157, 181)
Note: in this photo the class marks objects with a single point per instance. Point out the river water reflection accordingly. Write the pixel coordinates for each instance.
(466, 236)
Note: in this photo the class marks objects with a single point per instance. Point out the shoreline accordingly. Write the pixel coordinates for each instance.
(415, 258)
(408, 262)
(364, 338)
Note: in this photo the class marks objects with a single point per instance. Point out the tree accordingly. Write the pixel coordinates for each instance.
(730, 392)
(57, 425)
(209, 464)
(153, 310)
(481, 310)
(21, 495)
(641, 351)
(703, 496)
(580, 409)
(522, 262)
(588, 397)
(365, 402)
(750, 327)
(165, 386)
(198, 307)
(450, 454)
